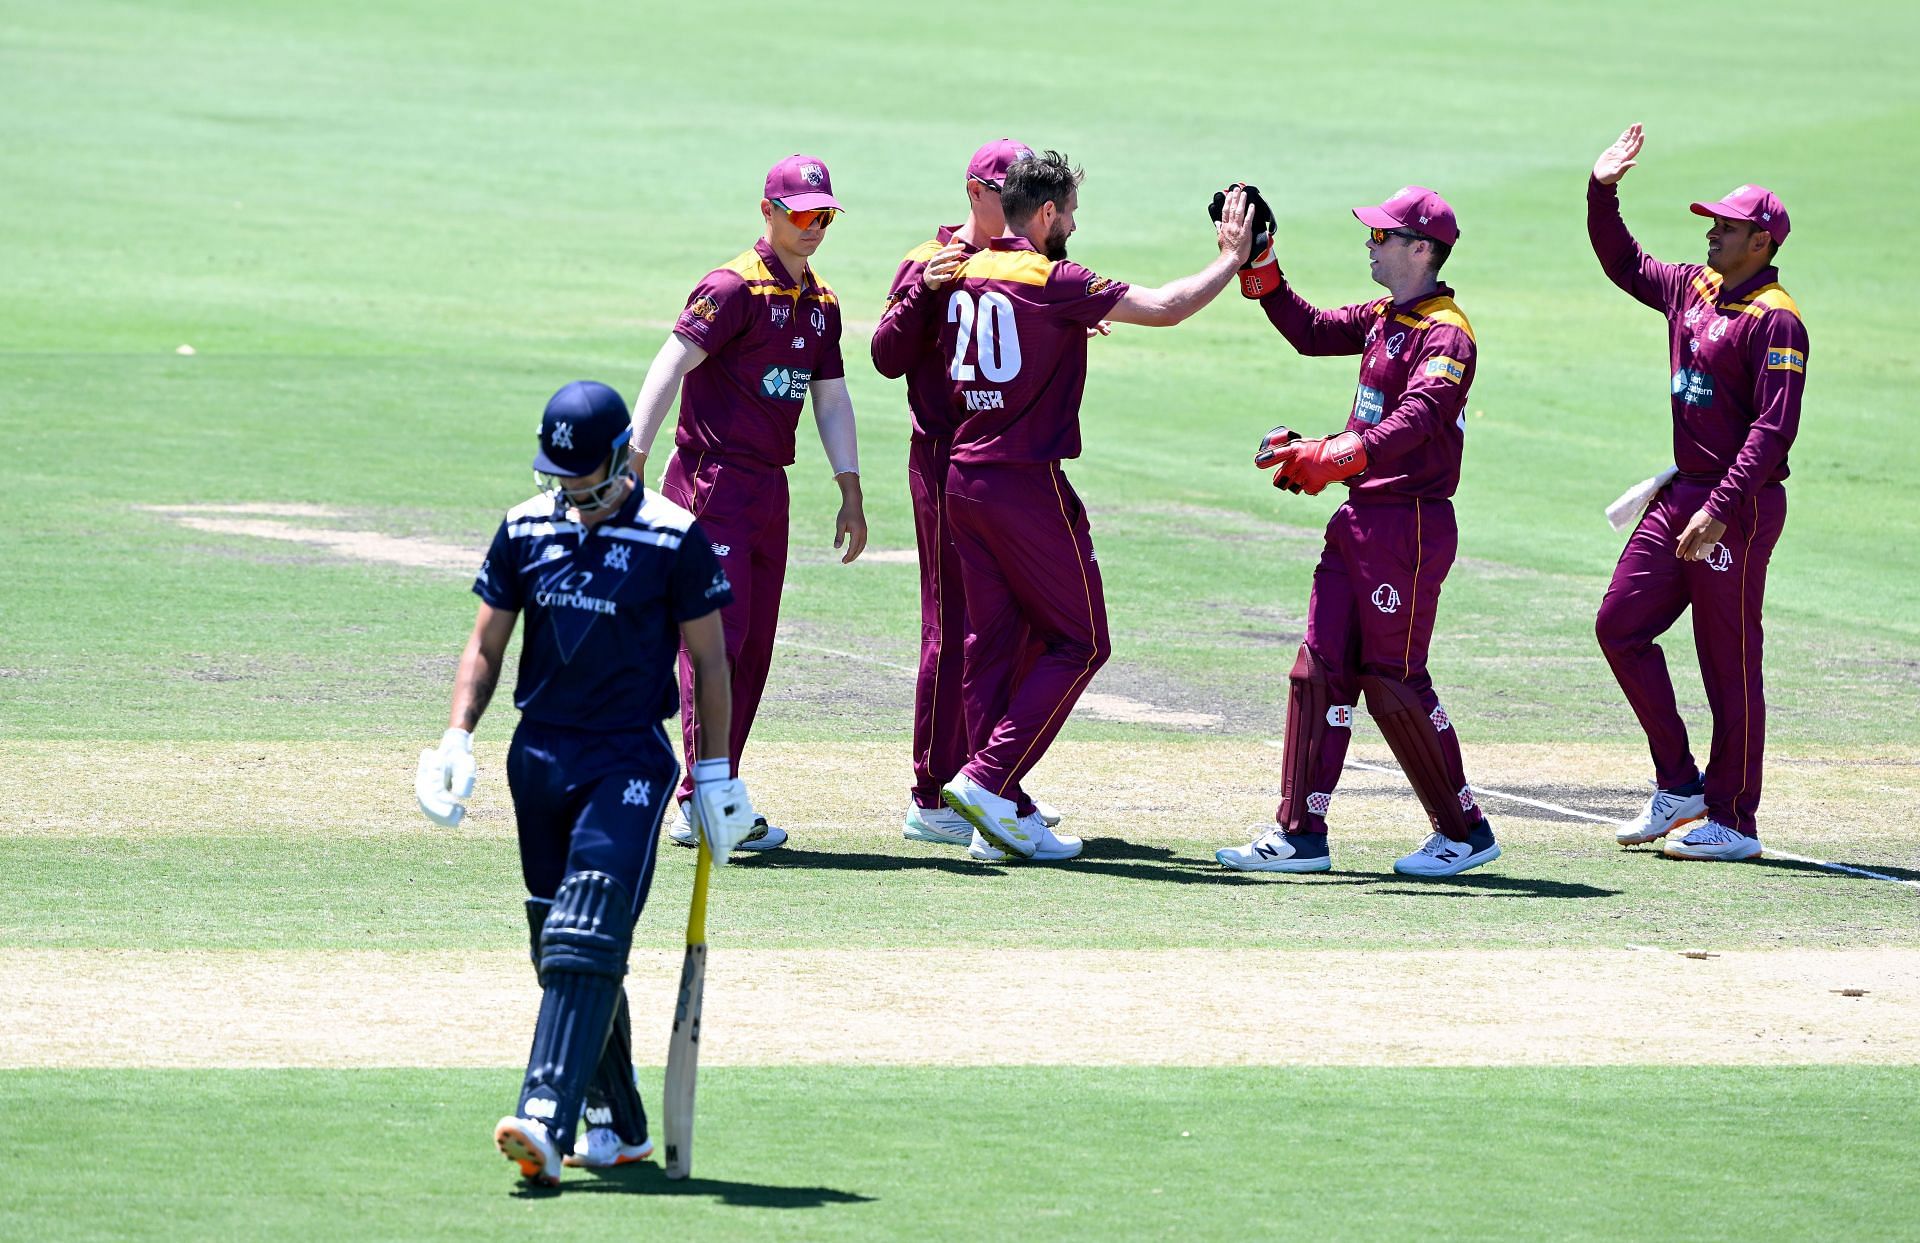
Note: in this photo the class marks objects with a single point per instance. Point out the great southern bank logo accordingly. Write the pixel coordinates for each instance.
(1369, 404)
(1693, 387)
(789, 383)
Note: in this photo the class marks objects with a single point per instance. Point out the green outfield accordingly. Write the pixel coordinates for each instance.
(233, 586)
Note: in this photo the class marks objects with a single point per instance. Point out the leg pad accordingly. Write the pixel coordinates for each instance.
(1414, 736)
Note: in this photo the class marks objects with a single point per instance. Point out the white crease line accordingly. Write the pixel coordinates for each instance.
(1769, 853)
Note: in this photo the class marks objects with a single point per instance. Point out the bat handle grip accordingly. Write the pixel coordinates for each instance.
(697, 911)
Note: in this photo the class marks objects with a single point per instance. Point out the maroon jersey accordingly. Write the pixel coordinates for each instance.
(1010, 333)
(1416, 367)
(767, 337)
(1739, 359)
(905, 344)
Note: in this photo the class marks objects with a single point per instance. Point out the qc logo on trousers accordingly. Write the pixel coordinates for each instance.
(1386, 599)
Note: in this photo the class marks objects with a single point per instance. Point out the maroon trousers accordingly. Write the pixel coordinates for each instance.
(1375, 595)
(1651, 587)
(1036, 613)
(939, 712)
(742, 506)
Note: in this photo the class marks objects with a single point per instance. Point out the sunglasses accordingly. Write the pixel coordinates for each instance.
(818, 217)
(1380, 236)
(991, 185)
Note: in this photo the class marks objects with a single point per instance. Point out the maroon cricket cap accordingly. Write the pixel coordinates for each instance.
(1416, 208)
(1756, 205)
(801, 183)
(990, 163)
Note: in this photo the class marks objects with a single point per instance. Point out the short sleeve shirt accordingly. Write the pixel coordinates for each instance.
(601, 607)
(1012, 335)
(768, 337)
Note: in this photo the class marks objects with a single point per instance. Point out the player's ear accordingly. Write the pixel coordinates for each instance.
(766, 210)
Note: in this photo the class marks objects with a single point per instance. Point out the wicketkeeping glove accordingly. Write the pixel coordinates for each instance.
(719, 806)
(1260, 274)
(1310, 465)
(446, 778)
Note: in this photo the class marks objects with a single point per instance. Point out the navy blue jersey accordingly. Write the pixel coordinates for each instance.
(602, 607)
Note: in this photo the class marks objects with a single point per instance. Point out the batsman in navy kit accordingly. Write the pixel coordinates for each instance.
(611, 579)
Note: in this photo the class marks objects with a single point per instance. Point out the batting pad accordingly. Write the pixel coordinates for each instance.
(583, 957)
(1409, 731)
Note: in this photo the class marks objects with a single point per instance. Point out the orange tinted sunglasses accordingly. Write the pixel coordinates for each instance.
(820, 216)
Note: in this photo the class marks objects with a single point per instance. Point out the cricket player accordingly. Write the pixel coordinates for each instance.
(757, 336)
(939, 721)
(1010, 323)
(613, 581)
(1739, 364)
(1371, 611)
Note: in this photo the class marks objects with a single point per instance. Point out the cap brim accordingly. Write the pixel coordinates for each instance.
(547, 466)
(1725, 210)
(810, 202)
(1375, 218)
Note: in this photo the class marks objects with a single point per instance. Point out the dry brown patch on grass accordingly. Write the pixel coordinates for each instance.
(81, 1008)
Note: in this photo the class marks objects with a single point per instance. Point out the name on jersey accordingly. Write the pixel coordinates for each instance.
(1693, 387)
(1786, 360)
(1446, 368)
(786, 382)
(985, 399)
(1369, 404)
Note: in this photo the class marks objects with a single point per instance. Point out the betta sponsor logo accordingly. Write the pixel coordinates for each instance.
(704, 308)
(1446, 368)
(1786, 360)
(1695, 388)
(1369, 405)
(787, 383)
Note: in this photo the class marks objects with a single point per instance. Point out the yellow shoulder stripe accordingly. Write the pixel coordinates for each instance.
(923, 252)
(1022, 266)
(1444, 311)
(1771, 298)
(749, 265)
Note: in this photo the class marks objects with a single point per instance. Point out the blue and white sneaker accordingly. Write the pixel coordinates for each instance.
(943, 825)
(1442, 856)
(1274, 851)
(1715, 842)
(1666, 811)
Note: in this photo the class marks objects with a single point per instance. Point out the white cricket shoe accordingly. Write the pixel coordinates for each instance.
(1714, 842)
(1049, 847)
(996, 818)
(1442, 856)
(600, 1148)
(762, 836)
(1274, 851)
(936, 824)
(525, 1142)
(1663, 813)
(1048, 816)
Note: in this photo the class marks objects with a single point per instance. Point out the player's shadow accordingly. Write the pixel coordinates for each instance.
(644, 1178)
(1483, 885)
(844, 861)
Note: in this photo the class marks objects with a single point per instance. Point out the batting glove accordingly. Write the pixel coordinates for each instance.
(719, 807)
(446, 778)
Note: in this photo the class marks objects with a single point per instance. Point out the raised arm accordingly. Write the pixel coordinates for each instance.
(1314, 332)
(902, 335)
(1650, 281)
(1168, 304)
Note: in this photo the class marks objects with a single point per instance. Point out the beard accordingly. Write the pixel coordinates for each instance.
(1056, 248)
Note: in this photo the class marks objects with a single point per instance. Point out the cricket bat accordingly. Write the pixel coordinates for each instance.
(683, 1051)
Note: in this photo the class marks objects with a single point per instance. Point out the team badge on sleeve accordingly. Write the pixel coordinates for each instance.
(1448, 369)
(1786, 360)
(704, 307)
(1096, 283)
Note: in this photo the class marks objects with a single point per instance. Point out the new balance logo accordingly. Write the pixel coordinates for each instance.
(1265, 851)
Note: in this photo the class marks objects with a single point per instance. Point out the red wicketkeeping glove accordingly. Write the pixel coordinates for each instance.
(1270, 445)
(1310, 465)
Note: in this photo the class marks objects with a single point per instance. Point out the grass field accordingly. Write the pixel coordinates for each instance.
(388, 232)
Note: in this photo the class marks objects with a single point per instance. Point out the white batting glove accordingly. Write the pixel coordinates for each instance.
(720, 808)
(446, 778)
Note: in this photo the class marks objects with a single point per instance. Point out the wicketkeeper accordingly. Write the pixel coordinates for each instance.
(612, 580)
(1371, 614)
